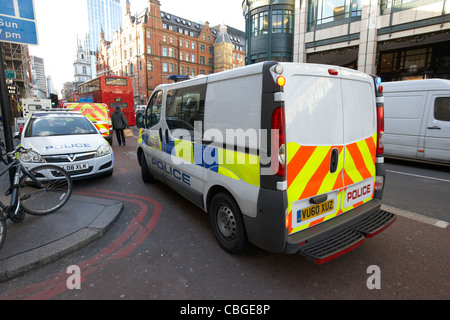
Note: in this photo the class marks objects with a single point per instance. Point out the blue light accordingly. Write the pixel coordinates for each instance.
(378, 81)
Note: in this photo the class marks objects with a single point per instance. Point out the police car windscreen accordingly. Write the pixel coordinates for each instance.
(59, 126)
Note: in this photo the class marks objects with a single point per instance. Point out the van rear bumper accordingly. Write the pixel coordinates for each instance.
(342, 234)
(268, 229)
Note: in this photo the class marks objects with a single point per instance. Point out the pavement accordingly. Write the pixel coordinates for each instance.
(38, 240)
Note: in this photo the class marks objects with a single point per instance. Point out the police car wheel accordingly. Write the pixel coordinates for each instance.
(227, 223)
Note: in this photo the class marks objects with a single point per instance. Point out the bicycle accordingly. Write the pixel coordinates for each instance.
(37, 191)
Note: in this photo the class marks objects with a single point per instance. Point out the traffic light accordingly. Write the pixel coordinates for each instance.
(54, 98)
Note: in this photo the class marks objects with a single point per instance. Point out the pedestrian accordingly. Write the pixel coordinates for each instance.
(119, 123)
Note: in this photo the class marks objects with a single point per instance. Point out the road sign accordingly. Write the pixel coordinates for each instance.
(18, 22)
(10, 74)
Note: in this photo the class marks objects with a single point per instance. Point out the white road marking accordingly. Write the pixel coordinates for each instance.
(415, 216)
(418, 176)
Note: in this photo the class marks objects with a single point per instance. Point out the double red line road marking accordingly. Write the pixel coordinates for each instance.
(133, 236)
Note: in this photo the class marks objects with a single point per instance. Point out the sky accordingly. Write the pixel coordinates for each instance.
(60, 21)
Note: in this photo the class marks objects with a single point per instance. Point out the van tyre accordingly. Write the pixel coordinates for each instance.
(227, 223)
(145, 173)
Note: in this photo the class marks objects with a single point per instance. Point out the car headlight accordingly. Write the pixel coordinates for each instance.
(103, 150)
(31, 157)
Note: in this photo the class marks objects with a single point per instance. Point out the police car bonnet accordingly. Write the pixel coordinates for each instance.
(63, 144)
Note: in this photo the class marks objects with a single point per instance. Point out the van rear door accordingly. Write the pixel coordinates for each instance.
(331, 142)
(437, 130)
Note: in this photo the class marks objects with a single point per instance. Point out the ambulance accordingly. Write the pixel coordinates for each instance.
(284, 156)
(98, 113)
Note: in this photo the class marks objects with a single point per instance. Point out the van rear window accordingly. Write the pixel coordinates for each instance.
(442, 109)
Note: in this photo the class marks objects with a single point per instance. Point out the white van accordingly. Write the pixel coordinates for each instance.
(281, 155)
(33, 104)
(417, 119)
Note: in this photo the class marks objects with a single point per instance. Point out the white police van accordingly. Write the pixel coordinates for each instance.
(69, 140)
(285, 156)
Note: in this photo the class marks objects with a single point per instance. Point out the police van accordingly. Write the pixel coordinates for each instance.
(99, 115)
(286, 156)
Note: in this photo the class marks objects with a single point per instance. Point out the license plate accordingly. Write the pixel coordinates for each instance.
(74, 167)
(315, 210)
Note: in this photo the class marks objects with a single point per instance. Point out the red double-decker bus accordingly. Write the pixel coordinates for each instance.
(114, 91)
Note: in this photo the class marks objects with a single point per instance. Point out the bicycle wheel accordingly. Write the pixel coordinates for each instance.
(51, 194)
(2, 232)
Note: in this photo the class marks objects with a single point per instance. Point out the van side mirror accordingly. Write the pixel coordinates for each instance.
(140, 120)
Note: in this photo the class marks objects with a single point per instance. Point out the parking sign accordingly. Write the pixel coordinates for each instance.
(18, 22)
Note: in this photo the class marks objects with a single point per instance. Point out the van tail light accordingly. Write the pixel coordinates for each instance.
(380, 128)
(278, 142)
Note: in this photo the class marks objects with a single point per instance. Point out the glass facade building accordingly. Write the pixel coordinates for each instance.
(269, 29)
(103, 15)
(395, 39)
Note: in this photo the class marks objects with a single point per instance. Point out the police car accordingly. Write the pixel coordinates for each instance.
(69, 140)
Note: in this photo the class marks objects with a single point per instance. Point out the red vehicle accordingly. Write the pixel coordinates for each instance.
(114, 91)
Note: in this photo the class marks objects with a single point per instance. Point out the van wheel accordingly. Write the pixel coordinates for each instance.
(227, 223)
(145, 173)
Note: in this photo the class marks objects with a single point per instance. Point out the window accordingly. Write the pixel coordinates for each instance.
(116, 81)
(327, 11)
(153, 111)
(165, 67)
(59, 126)
(282, 21)
(442, 109)
(164, 51)
(263, 27)
(184, 107)
(150, 65)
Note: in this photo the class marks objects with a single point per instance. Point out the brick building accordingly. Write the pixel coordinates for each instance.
(154, 44)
